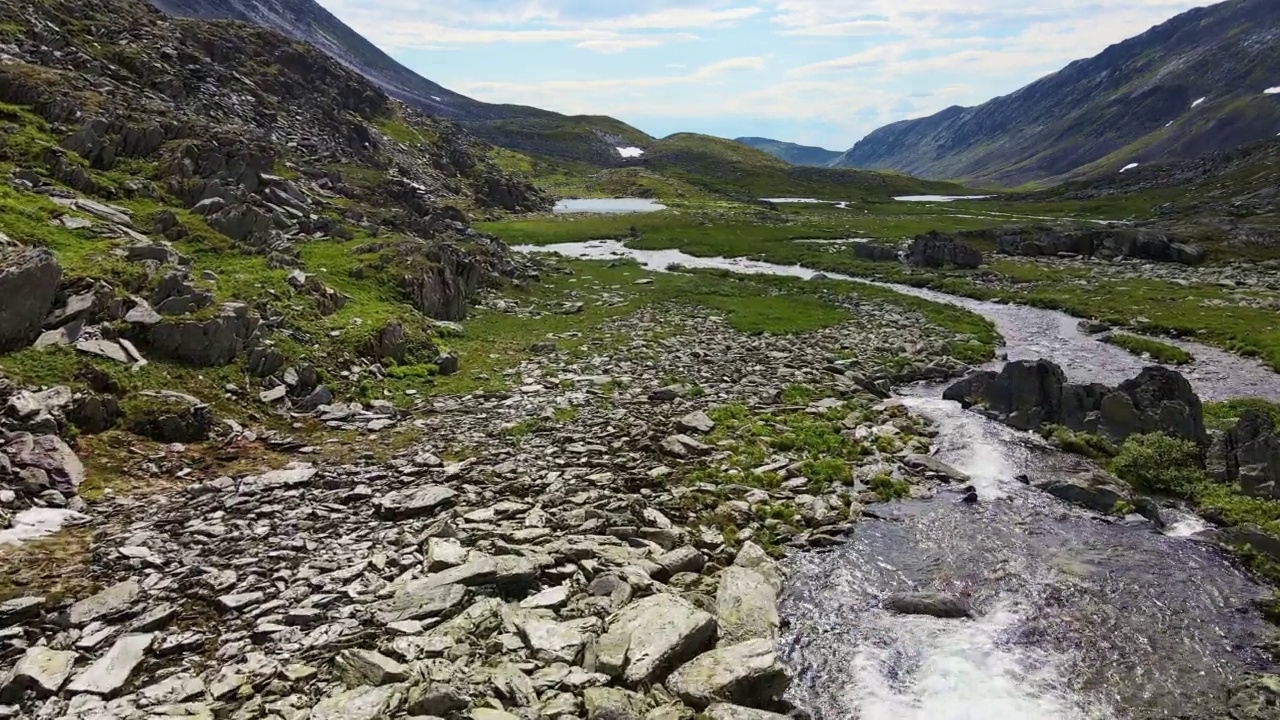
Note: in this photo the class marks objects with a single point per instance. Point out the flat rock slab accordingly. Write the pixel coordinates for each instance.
(930, 464)
(111, 672)
(367, 667)
(362, 703)
(504, 571)
(109, 603)
(725, 711)
(746, 606)
(275, 479)
(550, 641)
(696, 422)
(41, 670)
(420, 600)
(415, 502)
(651, 636)
(748, 674)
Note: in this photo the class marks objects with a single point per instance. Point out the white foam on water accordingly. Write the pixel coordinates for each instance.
(37, 523)
(630, 152)
(940, 198)
(1183, 524)
(966, 674)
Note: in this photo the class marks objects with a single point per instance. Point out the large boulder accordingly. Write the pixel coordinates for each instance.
(650, 637)
(936, 250)
(929, 603)
(747, 674)
(1248, 454)
(205, 343)
(29, 280)
(1095, 491)
(1032, 394)
(1105, 242)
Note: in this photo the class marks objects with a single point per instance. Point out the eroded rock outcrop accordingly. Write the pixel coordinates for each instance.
(28, 286)
(1029, 395)
(1248, 454)
(935, 250)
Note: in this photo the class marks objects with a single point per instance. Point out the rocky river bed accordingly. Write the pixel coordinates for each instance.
(611, 537)
(543, 552)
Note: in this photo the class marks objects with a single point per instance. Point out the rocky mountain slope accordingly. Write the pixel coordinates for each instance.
(1195, 84)
(791, 152)
(527, 129)
(731, 168)
(201, 217)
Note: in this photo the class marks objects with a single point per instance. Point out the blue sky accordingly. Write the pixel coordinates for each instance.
(823, 72)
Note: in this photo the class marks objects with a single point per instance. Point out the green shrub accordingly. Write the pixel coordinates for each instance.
(1160, 464)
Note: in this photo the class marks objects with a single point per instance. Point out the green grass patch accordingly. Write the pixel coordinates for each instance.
(1140, 346)
(1223, 415)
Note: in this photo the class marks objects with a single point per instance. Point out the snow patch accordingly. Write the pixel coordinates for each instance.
(37, 523)
(1272, 91)
(1198, 101)
(1128, 167)
(940, 198)
(630, 152)
(433, 97)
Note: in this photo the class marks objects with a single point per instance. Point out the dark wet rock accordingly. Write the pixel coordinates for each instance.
(170, 417)
(205, 343)
(1031, 394)
(929, 603)
(1097, 491)
(936, 250)
(1107, 242)
(94, 413)
(28, 284)
(1248, 454)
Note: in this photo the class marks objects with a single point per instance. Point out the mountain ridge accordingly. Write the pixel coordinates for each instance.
(581, 138)
(1189, 86)
(793, 153)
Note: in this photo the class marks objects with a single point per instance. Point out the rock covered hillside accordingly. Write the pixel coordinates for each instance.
(1193, 85)
(197, 216)
(527, 129)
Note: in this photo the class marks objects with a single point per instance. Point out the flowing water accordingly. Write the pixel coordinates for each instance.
(608, 206)
(1078, 616)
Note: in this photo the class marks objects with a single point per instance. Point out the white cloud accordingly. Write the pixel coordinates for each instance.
(570, 90)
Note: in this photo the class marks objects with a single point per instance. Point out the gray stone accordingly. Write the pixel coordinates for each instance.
(507, 572)
(748, 674)
(20, 609)
(680, 560)
(420, 600)
(111, 672)
(725, 711)
(444, 553)
(929, 603)
(240, 601)
(746, 606)
(41, 670)
(683, 446)
(277, 479)
(933, 465)
(367, 667)
(416, 502)
(651, 636)
(174, 689)
(29, 284)
(1094, 490)
(607, 703)
(110, 603)
(482, 713)
(696, 422)
(550, 641)
(109, 349)
(362, 703)
(214, 342)
(436, 700)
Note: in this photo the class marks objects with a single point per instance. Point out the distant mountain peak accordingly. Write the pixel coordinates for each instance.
(1135, 102)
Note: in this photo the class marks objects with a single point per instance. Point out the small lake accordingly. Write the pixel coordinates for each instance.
(940, 198)
(609, 206)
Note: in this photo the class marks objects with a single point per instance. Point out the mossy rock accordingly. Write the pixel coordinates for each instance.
(168, 417)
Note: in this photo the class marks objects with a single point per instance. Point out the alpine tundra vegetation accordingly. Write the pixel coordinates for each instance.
(316, 402)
